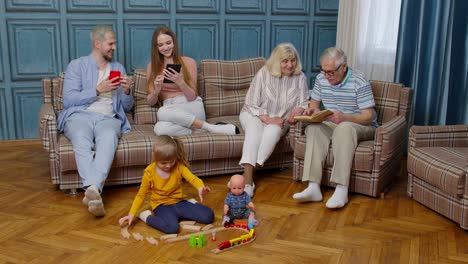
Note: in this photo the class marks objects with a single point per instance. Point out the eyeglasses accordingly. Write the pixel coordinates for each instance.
(330, 73)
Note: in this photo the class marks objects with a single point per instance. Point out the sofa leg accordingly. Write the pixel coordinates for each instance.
(73, 191)
(385, 190)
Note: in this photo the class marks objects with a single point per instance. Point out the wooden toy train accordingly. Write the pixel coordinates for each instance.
(238, 241)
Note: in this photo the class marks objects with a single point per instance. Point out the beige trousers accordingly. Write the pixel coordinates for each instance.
(345, 137)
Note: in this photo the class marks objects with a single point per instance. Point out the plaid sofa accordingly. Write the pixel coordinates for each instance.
(438, 169)
(222, 85)
(376, 162)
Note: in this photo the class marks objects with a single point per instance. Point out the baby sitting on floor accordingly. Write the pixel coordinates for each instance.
(238, 204)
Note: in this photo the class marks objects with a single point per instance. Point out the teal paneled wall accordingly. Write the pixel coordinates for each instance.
(38, 38)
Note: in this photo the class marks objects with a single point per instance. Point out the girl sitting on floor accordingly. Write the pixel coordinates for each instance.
(163, 179)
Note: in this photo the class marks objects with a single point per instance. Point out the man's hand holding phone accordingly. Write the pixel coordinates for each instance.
(114, 76)
(107, 86)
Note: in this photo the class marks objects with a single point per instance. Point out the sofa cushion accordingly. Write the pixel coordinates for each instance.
(442, 167)
(363, 158)
(134, 149)
(224, 84)
(143, 112)
(209, 146)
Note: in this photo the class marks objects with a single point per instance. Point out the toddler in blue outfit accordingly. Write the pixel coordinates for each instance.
(238, 204)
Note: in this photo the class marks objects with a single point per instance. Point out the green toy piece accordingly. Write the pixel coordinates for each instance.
(198, 241)
(201, 240)
(192, 241)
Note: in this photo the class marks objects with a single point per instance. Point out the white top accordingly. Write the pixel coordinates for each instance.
(103, 103)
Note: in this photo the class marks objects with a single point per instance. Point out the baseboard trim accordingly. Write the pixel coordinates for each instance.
(20, 142)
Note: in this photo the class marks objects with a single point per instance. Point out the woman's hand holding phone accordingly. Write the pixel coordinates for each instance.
(172, 74)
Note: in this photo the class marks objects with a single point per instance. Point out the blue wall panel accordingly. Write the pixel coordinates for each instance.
(326, 7)
(3, 115)
(1, 62)
(197, 6)
(245, 7)
(35, 5)
(290, 7)
(38, 38)
(138, 36)
(155, 6)
(294, 32)
(87, 6)
(199, 39)
(27, 100)
(34, 49)
(244, 39)
(324, 37)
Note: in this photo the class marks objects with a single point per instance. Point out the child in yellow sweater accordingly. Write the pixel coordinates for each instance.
(163, 179)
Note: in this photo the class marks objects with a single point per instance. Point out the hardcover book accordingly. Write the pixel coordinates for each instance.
(316, 117)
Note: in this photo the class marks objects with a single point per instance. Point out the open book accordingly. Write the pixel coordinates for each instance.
(316, 117)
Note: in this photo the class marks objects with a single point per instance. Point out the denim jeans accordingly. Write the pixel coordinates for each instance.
(94, 138)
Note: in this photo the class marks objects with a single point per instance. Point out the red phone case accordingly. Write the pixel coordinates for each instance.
(114, 74)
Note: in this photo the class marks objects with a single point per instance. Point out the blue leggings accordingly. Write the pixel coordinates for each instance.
(166, 217)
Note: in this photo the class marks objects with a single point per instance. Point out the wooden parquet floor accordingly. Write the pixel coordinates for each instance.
(41, 224)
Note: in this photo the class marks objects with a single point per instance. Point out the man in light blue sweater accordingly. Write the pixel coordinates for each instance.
(93, 117)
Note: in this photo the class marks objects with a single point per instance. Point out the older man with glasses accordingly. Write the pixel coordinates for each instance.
(349, 95)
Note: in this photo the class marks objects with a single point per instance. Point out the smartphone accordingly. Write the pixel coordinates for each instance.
(114, 74)
(176, 67)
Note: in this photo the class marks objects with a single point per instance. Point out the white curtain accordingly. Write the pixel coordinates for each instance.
(368, 32)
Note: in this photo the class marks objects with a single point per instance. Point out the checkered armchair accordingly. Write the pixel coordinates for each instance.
(222, 86)
(438, 169)
(376, 162)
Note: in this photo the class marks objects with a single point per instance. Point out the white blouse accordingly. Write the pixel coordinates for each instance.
(276, 96)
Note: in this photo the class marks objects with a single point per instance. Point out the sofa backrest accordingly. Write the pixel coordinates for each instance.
(391, 100)
(52, 91)
(224, 84)
(143, 112)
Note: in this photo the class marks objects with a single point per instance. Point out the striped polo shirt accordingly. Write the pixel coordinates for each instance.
(350, 96)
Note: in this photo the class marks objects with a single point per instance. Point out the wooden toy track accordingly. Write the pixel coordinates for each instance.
(218, 229)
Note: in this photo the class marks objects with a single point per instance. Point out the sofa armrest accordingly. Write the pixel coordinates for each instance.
(48, 127)
(438, 136)
(389, 140)
(466, 181)
(296, 131)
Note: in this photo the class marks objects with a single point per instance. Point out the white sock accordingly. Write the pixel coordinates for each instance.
(92, 193)
(228, 129)
(310, 194)
(253, 221)
(144, 215)
(339, 197)
(96, 207)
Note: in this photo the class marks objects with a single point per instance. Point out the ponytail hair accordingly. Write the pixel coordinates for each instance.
(169, 148)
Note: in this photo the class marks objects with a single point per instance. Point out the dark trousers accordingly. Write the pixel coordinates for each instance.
(166, 217)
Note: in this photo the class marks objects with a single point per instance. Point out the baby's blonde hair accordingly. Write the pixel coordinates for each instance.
(169, 148)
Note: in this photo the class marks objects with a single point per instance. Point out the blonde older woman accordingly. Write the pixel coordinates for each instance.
(278, 92)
